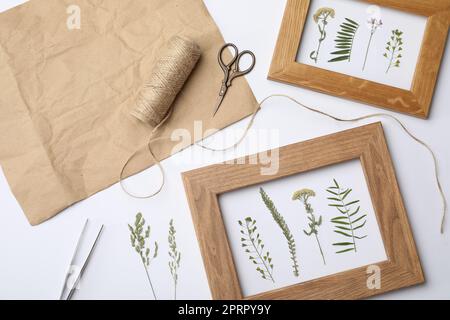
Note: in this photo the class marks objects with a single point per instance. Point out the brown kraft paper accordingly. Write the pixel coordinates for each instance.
(66, 93)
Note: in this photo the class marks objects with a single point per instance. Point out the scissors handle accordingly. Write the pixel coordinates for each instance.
(231, 70)
(226, 67)
(237, 72)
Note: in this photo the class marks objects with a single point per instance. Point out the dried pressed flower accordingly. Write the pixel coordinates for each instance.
(284, 228)
(349, 222)
(393, 49)
(175, 256)
(344, 40)
(303, 196)
(253, 245)
(139, 239)
(323, 14)
(321, 18)
(373, 23)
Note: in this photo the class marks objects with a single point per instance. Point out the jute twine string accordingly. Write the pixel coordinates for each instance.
(375, 115)
(168, 77)
(155, 100)
(166, 80)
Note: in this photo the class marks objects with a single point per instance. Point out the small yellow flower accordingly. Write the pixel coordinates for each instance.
(324, 13)
(303, 194)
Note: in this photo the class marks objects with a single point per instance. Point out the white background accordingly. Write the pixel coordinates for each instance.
(413, 27)
(239, 204)
(33, 259)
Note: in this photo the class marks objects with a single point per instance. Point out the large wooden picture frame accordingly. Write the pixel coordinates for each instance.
(367, 143)
(416, 101)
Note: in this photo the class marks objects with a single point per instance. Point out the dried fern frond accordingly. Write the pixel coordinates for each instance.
(344, 41)
(349, 222)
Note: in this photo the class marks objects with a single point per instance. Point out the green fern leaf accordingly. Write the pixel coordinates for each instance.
(352, 22)
(359, 219)
(346, 250)
(332, 192)
(343, 244)
(360, 226)
(344, 43)
(350, 223)
(350, 203)
(343, 233)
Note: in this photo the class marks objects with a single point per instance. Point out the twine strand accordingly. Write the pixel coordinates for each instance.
(154, 107)
(375, 115)
(155, 100)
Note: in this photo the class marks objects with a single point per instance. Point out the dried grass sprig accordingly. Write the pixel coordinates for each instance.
(253, 245)
(175, 256)
(284, 228)
(139, 239)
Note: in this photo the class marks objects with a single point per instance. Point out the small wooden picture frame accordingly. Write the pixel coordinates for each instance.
(415, 102)
(402, 267)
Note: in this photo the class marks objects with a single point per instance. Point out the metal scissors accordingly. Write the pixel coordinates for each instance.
(67, 290)
(232, 70)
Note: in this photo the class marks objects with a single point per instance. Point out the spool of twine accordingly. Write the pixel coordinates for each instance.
(156, 97)
(168, 76)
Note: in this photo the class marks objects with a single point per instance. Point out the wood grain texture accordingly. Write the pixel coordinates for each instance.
(367, 143)
(415, 102)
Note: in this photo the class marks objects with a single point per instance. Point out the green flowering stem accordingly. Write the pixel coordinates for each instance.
(393, 48)
(367, 51)
(373, 24)
(303, 196)
(321, 18)
(320, 248)
(279, 219)
(175, 256)
(252, 243)
(150, 282)
(139, 240)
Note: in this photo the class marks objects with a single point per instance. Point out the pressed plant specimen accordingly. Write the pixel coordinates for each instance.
(349, 222)
(321, 19)
(344, 41)
(253, 245)
(284, 228)
(139, 239)
(374, 24)
(314, 223)
(175, 256)
(393, 49)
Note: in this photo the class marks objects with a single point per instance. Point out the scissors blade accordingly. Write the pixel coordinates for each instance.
(218, 104)
(83, 268)
(77, 248)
